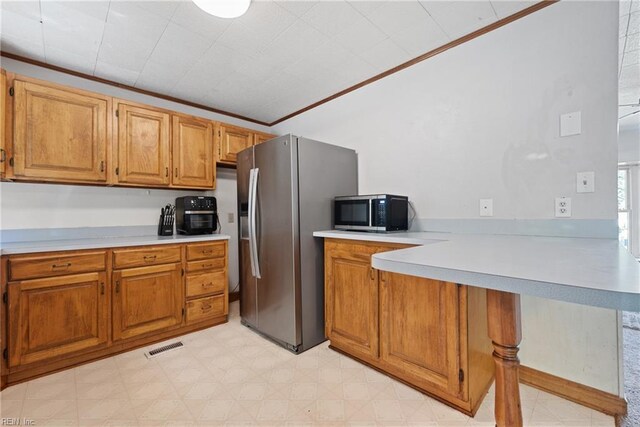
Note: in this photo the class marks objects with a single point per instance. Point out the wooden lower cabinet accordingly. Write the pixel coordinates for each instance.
(146, 300)
(54, 320)
(207, 292)
(54, 317)
(351, 298)
(429, 334)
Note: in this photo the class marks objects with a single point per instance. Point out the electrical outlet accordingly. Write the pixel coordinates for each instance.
(486, 207)
(230, 218)
(563, 207)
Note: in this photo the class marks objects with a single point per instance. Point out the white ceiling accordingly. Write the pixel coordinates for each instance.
(629, 63)
(279, 57)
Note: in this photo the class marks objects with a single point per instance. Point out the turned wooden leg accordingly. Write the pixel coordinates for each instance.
(503, 317)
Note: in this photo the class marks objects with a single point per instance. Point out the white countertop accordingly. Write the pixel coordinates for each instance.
(73, 244)
(596, 272)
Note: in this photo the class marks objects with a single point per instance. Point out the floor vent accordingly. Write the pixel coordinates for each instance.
(157, 351)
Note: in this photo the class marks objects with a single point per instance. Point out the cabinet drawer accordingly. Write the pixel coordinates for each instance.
(207, 264)
(32, 267)
(204, 308)
(205, 251)
(206, 283)
(125, 258)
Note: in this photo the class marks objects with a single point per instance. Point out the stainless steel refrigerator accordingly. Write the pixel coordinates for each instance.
(285, 191)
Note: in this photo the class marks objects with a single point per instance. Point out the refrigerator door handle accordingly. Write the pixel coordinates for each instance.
(254, 230)
(251, 222)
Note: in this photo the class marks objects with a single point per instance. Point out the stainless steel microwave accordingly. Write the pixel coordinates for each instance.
(376, 212)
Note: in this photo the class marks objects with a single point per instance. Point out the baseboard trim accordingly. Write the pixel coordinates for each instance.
(590, 397)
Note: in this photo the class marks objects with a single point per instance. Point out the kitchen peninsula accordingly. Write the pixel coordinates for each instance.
(596, 272)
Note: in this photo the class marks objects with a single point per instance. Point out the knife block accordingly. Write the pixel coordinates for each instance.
(165, 227)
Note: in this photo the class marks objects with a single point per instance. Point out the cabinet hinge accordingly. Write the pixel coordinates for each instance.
(461, 375)
(183, 312)
(5, 354)
(11, 91)
(117, 113)
(182, 272)
(11, 161)
(5, 298)
(117, 171)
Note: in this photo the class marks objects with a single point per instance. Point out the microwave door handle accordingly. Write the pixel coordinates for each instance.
(254, 235)
(370, 212)
(250, 224)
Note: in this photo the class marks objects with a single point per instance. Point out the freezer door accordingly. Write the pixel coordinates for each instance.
(248, 301)
(278, 290)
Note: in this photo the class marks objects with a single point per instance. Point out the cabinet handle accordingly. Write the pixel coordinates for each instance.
(67, 265)
(207, 285)
(117, 286)
(371, 273)
(166, 171)
(101, 288)
(383, 276)
(206, 307)
(102, 166)
(207, 252)
(207, 265)
(176, 172)
(3, 155)
(149, 258)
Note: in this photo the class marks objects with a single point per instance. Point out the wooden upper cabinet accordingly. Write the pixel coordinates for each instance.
(193, 156)
(419, 329)
(231, 141)
(3, 118)
(53, 317)
(351, 298)
(147, 299)
(143, 145)
(259, 138)
(60, 134)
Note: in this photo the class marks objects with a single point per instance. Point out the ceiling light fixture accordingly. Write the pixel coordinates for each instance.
(224, 8)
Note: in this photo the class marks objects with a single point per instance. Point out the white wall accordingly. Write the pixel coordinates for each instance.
(629, 144)
(52, 206)
(482, 121)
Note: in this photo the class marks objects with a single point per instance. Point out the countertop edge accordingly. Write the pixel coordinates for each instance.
(19, 248)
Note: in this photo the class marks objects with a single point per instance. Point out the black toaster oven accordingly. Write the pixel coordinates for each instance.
(196, 215)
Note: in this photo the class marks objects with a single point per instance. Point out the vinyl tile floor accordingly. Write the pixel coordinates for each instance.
(228, 375)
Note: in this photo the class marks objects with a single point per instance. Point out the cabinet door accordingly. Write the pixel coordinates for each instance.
(232, 140)
(259, 138)
(193, 163)
(146, 299)
(419, 328)
(53, 317)
(60, 133)
(143, 145)
(3, 118)
(351, 300)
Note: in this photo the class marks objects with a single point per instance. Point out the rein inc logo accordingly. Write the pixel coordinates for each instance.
(17, 422)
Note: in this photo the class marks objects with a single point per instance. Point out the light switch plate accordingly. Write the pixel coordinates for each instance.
(571, 124)
(486, 207)
(563, 207)
(230, 218)
(586, 182)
